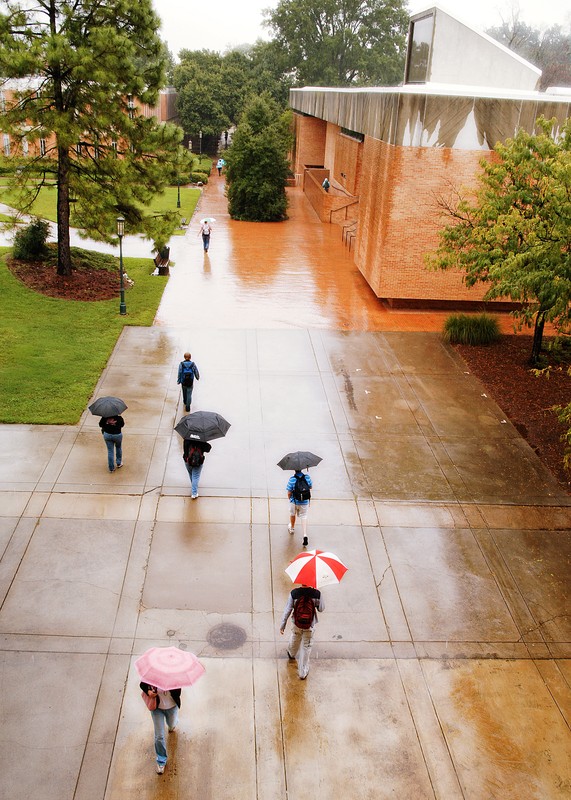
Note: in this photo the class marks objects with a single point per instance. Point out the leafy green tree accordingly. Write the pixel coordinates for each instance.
(213, 88)
(258, 164)
(515, 233)
(341, 42)
(82, 65)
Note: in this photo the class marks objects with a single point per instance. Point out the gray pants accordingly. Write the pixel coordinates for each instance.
(300, 648)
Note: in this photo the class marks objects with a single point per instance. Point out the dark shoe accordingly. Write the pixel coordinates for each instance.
(305, 541)
(112, 470)
(187, 408)
(119, 466)
(303, 677)
(289, 655)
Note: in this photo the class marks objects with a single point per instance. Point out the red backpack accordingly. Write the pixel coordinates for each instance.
(303, 612)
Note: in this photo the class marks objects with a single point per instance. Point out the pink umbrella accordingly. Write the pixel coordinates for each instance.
(169, 667)
(316, 568)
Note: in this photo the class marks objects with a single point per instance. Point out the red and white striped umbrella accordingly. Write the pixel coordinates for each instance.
(316, 568)
(169, 667)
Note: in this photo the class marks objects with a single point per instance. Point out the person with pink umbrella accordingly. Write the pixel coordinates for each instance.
(162, 669)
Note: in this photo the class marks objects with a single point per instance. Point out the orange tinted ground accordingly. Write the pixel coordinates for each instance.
(294, 274)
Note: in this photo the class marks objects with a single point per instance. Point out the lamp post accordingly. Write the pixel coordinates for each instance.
(120, 234)
(177, 182)
(200, 142)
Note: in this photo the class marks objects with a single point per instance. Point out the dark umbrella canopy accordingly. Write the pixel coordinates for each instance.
(203, 425)
(301, 459)
(107, 406)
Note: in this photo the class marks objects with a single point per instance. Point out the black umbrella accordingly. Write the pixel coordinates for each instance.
(107, 406)
(301, 459)
(203, 425)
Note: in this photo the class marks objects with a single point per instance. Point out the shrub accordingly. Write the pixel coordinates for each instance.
(30, 242)
(477, 329)
(198, 177)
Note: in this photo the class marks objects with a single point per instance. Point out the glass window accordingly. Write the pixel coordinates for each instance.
(419, 46)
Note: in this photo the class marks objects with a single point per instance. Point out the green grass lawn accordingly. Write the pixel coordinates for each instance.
(54, 350)
(45, 204)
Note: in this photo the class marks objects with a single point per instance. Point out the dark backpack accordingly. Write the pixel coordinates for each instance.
(187, 373)
(303, 612)
(195, 457)
(301, 490)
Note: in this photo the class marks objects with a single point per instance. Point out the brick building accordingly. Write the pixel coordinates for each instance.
(390, 152)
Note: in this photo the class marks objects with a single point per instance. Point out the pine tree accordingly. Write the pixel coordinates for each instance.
(78, 71)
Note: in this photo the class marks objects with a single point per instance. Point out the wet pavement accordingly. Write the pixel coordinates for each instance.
(441, 667)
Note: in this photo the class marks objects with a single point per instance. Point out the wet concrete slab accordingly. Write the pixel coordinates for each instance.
(440, 668)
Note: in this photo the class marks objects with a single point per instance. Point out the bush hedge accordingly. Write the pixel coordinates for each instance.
(475, 329)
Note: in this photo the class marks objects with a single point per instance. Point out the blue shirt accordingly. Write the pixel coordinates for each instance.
(291, 485)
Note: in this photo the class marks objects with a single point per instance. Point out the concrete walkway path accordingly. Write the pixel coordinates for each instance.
(441, 667)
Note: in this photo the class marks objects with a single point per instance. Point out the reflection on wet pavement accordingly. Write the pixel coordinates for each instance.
(441, 666)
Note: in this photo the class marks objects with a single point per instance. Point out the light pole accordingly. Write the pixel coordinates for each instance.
(120, 234)
(200, 142)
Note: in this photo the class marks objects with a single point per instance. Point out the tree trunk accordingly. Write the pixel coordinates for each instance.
(63, 243)
(537, 337)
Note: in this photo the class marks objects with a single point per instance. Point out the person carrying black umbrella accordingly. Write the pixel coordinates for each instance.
(193, 455)
(111, 428)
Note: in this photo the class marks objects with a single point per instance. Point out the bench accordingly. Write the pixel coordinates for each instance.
(162, 260)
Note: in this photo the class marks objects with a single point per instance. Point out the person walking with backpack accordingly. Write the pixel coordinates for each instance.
(299, 493)
(111, 428)
(303, 604)
(187, 372)
(193, 455)
(205, 230)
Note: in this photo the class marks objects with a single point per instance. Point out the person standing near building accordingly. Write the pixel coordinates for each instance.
(187, 372)
(205, 230)
(164, 706)
(298, 490)
(303, 604)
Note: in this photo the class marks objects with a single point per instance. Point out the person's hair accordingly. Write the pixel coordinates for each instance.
(186, 356)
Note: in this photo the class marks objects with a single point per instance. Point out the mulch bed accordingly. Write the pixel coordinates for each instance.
(505, 371)
(503, 367)
(82, 284)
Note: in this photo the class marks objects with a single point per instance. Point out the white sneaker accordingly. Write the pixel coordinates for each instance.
(290, 529)
(160, 769)
(193, 496)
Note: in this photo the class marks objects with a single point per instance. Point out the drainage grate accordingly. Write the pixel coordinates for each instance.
(226, 636)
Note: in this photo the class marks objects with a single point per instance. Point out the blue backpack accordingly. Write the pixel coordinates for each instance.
(187, 373)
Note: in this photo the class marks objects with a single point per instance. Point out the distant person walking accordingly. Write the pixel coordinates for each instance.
(299, 494)
(187, 372)
(205, 230)
(325, 185)
(164, 706)
(193, 455)
(220, 164)
(111, 428)
(303, 603)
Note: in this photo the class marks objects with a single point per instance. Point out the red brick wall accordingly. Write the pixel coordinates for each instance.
(399, 219)
(310, 134)
(347, 168)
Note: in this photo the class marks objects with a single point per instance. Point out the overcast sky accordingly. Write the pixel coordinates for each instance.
(194, 25)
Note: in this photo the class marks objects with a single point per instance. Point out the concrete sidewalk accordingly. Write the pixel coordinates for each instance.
(441, 667)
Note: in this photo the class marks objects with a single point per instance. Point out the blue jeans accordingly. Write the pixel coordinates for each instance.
(194, 475)
(206, 241)
(160, 716)
(187, 395)
(113, 442)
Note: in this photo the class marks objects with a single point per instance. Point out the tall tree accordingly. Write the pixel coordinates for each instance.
(82, 66)
(515, 233)
(341, 42)
(258, 164)
(549, 49)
